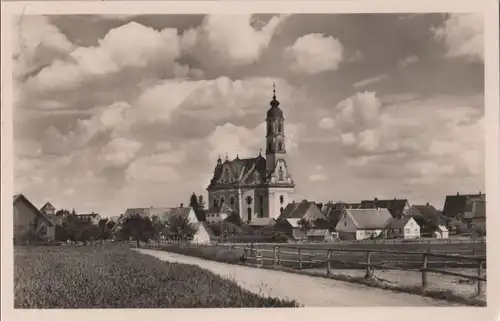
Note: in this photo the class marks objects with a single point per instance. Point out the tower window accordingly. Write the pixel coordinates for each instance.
(226, 175)
(281, 199)
(261, 206)
(281, 173)
(215, 202)
(280, 146)
(249, 214)
(232, 200)
(221, 201)
(249, 200)
(279, 127)
(281, 210)
(269, 127)
(270, 147)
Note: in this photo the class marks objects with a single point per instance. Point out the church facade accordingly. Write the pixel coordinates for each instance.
(258, 187)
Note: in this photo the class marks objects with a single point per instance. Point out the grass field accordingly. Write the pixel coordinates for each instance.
(116, 277)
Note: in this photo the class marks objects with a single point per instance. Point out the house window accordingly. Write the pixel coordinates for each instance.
(261, 206)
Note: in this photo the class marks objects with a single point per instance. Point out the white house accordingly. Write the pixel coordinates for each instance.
(441, 232)
(203, 234)
(406, 227)
(363, 223)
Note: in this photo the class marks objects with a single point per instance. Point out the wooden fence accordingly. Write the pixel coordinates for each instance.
(256, 253)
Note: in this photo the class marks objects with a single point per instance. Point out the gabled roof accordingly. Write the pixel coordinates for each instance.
(395, 206)
(297, 210)
(459, 204)
(333, 212)
(22, 198)
(261, 221)
(394, 223)
(369, 218)
(48, 207)
(165, 213)
(92, 215)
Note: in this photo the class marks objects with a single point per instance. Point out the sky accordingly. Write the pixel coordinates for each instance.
(118, 111)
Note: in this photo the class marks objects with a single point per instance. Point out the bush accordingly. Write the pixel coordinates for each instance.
(114, 276)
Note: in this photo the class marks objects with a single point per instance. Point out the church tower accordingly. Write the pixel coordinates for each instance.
(275, 134)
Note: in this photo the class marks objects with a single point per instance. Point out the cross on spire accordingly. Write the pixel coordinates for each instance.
(274, 90)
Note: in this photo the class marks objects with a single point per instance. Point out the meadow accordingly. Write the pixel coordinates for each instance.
(114, 276)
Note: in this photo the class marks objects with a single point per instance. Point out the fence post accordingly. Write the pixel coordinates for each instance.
(479, 284)
(275, 259)
(328, 267)
(278, 256)
(300, 258)
(368, 274)
(424, 272)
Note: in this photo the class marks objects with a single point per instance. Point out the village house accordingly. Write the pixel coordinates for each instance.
(441, 232)
(460, 205)
(405, 227)
(397, 207)
(319, 235)
(204, 234)
(28, 219)
(94, 218)
(427, 217)
(363, 223)
(288, 221)
(48, 209)
(333, 211)
(217, 213)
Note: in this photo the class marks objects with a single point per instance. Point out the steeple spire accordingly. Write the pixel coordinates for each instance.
(274, 102)
(274, 90)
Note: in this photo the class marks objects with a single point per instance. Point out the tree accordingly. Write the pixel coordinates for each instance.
(179, 226)
(323, 224)
(193, 202)
(304, 224)
(137, 227)
(158, 227)
(62, 212)
(110, 225)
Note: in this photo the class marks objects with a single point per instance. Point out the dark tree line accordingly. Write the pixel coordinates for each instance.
(77, 229)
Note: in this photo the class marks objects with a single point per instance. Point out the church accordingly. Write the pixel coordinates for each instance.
(258, 187)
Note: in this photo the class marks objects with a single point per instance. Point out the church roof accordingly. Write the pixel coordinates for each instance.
(274, 111)
(240, 171)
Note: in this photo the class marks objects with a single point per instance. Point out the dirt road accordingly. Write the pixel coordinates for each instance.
(308, 291)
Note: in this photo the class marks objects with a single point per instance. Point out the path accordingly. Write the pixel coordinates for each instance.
(307, 290)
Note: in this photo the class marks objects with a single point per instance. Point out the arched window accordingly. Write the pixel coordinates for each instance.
(249, 200)
(279, 127)
(215, 202)
(232, 200)
(282, 199)
(281, 210)
(249, 214)
(281, 173)
(280, 146)
(226, 175)
(270, 147)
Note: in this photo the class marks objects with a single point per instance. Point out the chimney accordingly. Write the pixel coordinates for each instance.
(375, 199)
(182, 204)
(458, 193)
(479, 192)
(427, 204)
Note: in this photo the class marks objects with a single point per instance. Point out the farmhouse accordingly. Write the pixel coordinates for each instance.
(461, 204)
(29, 220)
(333, 211)
(303, 210)
(427, 217)
(363, 223)
(48, 209)
(319, 235)
(92, 217)
(441, 232)
(258, 186)
(291, 229)
(397, 207)
(405, 227)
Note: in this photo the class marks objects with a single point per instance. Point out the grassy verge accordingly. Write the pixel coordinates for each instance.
(116, 277)
(235, 256)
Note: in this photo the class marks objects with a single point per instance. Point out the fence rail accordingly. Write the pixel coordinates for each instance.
(305, 258)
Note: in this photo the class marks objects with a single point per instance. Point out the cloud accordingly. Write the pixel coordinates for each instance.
(37, 43)
(314, 53)
(318, 178)
(224, 41)
(369, 81)
(462, 35)
(119, 152)
(326, 123)
(118, 51)
(406, 61)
